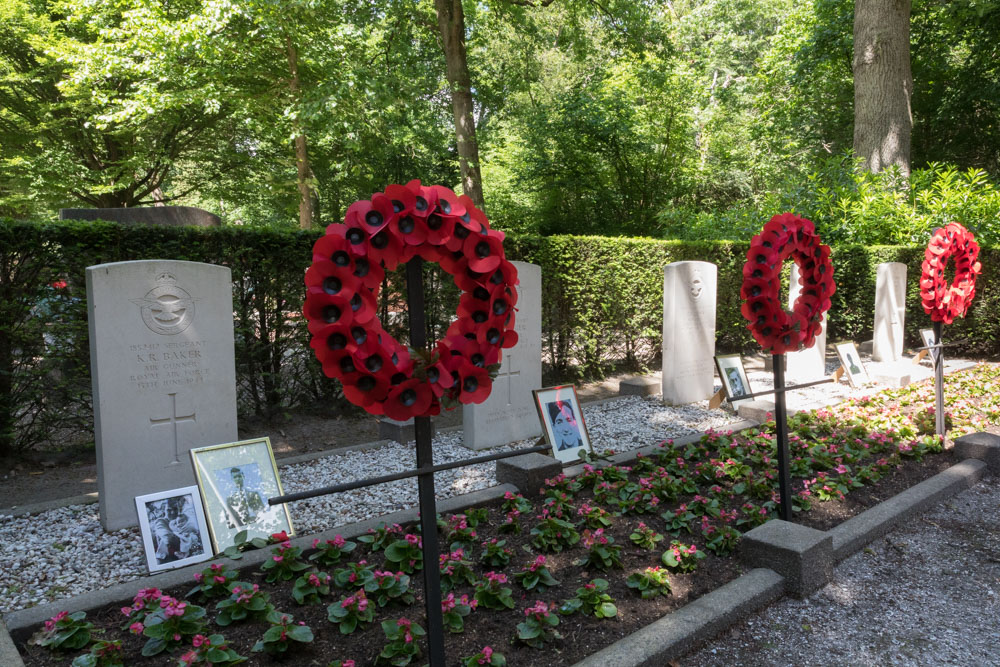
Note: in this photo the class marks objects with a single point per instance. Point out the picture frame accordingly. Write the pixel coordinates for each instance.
(235, 480)
(562, 422)
(850, 361)
(173, 527)
(734, 379)
(927, 337)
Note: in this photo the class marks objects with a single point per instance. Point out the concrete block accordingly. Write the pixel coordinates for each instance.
(894, 379)
(402, 432)
(803, 556)
(669, 638)
(528, 472)
(866, 347)
(758, 411)
(982, 446)
(639, 385)
(871, 524)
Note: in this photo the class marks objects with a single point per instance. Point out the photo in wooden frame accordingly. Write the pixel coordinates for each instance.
(850, 361)
(562, 422)
(734, 379)
(235, 480)
(173, 527)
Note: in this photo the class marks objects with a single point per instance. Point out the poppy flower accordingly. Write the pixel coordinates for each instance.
(448, 202)
(408, 399)
(356, 237)
(473, 383)
(403, 199)
(439, 378)
(368, 389)
(388, 248)
(440, 228)
(332, 247)
(426, 198)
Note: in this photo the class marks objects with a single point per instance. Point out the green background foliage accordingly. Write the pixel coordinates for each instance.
(602, 309)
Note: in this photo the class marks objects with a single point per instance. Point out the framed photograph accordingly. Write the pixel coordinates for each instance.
(927, 336)
(850, 360)
(562, 422)
(235, 481)
(174, 532)
(734, 377)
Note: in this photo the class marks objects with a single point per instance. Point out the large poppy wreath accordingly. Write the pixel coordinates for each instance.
(776, 329)
(349, 264)
(944, 302)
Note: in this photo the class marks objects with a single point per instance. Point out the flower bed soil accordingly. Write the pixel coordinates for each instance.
(582, 635)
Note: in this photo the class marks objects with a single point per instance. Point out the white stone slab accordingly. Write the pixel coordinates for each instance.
(890, 311)
(509, 413)
(689, 293)
(809, 364)
(163, 374)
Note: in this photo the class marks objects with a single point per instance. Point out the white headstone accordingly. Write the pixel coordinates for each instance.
(163, 374)
(509, 413)
(890, 311)
(689, 291)
(808, 364)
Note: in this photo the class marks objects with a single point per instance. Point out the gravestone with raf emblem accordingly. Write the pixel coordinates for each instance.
(509, 413)
(689, 292)
(163, 375)
(890, 311)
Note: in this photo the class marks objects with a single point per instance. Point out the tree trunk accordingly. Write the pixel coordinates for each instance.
(451, 23)
(883, 84)
(305, 175)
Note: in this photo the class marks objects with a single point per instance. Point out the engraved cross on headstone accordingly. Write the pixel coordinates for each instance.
(173, 420)
(506, 375)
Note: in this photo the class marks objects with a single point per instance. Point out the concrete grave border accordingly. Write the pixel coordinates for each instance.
(806, 558)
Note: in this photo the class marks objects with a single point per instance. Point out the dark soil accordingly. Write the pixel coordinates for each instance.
(582, 635)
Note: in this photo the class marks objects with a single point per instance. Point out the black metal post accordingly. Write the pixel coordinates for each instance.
(938, 358)
(780, 420)
(425, 481)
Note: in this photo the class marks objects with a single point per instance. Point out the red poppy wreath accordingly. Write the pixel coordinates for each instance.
(349, 263)
(944, 302)
(776, 329)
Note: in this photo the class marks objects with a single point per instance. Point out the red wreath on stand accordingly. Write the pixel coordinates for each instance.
(349, 263)
(776, 329)
(944, 302)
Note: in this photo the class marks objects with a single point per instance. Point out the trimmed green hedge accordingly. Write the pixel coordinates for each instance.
(602, 308)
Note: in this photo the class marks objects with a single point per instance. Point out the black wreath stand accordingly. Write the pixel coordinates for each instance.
(781, 423)
(425, 479)
(937, 356)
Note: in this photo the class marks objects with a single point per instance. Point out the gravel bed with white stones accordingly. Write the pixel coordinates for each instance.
(64, 552)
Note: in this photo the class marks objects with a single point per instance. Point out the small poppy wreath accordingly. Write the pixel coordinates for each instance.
(342, 287)
(944, 302)
(776, 329)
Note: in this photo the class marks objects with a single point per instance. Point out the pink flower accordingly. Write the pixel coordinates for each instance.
(413, 540)
(127, 611)
(198, 577)
(487, 656)
(199, 640)
(348, 663)
(314, 580)
(136, 628)
(315, 543)
(277, 559)
(189, 658)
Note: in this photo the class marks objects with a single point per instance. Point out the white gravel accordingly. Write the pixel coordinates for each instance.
(926, 594)
(64, 552)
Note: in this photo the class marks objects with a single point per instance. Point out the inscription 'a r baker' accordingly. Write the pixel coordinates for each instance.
(154, 357)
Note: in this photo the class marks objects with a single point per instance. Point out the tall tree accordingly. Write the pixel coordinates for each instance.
(451, 24)
(883, 84)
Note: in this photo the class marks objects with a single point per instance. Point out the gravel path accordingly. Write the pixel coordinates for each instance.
(64, 552)
(926, 594)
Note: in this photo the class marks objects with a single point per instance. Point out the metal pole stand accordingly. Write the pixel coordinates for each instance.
(938, 358)
(780, 420)
(425, 481)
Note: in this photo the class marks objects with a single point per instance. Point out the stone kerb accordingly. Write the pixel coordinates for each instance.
(982, 446)
(401, 432)
(641, 385)
(804, 556)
